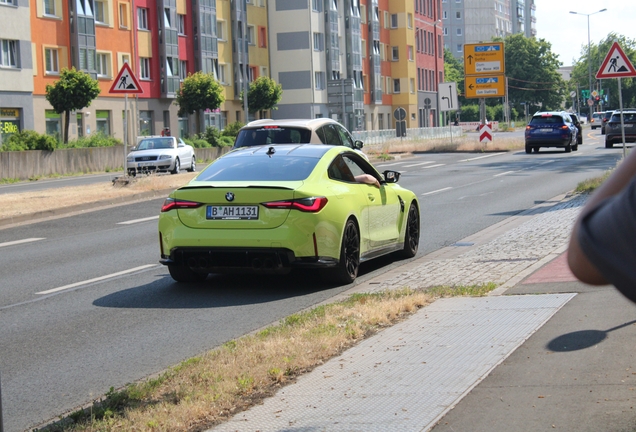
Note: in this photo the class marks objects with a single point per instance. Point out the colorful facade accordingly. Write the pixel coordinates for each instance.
(356, 61)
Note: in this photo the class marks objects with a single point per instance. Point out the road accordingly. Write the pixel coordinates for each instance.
(84, 305)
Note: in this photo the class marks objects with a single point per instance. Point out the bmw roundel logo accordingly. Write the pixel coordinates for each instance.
(229, 196)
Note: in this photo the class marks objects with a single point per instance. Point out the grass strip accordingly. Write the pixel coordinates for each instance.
(206, 390)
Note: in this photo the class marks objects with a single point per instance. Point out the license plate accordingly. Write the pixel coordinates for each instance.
(144, 164)
(545, 130)
(232, 212)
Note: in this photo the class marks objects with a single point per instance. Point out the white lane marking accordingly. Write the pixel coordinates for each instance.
(481, 157)
(503, 173)
(392, 164)
(418, 164)
(101, 278)
(437, 191)
(138, 220)
(29, 240)
(433, 166)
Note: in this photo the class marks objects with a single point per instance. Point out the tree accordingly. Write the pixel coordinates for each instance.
(532, 71)
(579, 78)
(75, 90)
(199, 91)
(263, 94)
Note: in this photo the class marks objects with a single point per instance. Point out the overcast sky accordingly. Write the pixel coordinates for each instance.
(568, 32)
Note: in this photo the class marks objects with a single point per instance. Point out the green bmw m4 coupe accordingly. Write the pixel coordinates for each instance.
(269, 209)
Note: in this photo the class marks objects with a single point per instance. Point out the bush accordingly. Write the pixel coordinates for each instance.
(212, 136)
(232, 129)
(29, 140)
(226, 141)
(97, 139)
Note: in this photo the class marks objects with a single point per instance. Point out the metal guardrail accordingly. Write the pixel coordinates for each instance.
(379, 137)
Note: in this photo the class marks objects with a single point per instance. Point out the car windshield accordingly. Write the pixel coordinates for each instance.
(272, 135)
(157, 143)
(259, 168)
(547, 120)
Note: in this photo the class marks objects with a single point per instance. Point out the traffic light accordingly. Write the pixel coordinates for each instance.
(597, 98)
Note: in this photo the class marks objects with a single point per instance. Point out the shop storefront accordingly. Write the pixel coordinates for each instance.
(9, 123)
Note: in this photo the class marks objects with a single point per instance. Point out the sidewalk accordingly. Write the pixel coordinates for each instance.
(499, 363)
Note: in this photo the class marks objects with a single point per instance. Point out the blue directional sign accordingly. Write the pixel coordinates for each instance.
(483, 48)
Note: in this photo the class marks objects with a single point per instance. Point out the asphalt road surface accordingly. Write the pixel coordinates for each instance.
(85, 306)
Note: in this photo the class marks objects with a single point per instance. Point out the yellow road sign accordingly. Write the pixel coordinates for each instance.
(484, 59)
(485, 86)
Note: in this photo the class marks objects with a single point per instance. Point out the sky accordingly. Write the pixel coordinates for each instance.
(568, 32)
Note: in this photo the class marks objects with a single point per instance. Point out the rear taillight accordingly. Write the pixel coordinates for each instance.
(528, 127)
(172, 204)
(312, 205)
(565, 127)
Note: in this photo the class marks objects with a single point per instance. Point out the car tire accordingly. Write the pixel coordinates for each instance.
(575, 147)
(412, 235)
(528, 149)
(193, 165)
(177, 167)
(347, 269)
(536, 149)
(132, 172)
(182, 273)
(568, 147)
(608, 144)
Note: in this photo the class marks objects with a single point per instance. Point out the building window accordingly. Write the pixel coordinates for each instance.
(316, 5)
(145, 123)
(460, 48)
(144, 68)
(250, 35)
(53, 124)
(181, 24)
(183, 69)
(51, 61)
(363, 14)
(142, 18)
(262, 37)
(364, 48)
(8, 2)
(172, 66)
(221, 77)
(319, 78)
(49, 7)
(386, 19)
(409, 20)
(445, 15)
(220, 30)
(396, 86)
(412, 85)
(8, 53)
(100, 12)
(458, 15)
(409, 50)
(318, 42)
(102, 119)
(394, 20)
(103, 65)
(459, 32)
(123, 16)
(395, 53)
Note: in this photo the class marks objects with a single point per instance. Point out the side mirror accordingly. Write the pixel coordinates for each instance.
(358, 144)
(391, 176)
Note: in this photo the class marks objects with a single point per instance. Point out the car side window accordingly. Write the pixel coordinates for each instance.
(332, 136)
(339, 170)
(321, 134)
(345, 137)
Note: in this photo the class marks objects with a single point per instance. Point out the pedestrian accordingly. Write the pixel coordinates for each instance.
(601, 249)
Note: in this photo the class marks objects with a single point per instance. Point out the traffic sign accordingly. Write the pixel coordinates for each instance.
(484, 59)
(616, 64)
(448, 96)
(126, 82)
(399, 113)
(485, 133)
(485, 86)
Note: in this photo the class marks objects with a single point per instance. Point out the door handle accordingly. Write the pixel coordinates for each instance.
(371, 197)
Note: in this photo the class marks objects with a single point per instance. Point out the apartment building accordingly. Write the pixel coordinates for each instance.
(356, 61)
(16, 67)
(475, 21)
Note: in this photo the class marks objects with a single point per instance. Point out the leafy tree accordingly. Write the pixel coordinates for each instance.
(532, 71)
(199, 91)
(263, 94)
(579, 79)
(75, 90)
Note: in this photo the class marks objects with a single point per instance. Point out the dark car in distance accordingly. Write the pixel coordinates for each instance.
(606, 117)
(551, 129)
(613, 132)
(579, 127)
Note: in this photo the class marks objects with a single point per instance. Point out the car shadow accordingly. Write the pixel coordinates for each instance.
(220, 291)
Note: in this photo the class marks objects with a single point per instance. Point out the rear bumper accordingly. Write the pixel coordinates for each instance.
(253, 260)
(618, 138)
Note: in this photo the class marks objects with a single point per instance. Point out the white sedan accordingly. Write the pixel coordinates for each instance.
(160, 154)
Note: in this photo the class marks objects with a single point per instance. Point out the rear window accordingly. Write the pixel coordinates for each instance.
(260, 168)
(553, 119)
(272, 135)
(627, 117)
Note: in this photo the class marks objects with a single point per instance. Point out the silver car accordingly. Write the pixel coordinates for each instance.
(160, 154)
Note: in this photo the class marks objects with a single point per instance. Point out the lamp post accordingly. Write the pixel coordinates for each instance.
(589, 56)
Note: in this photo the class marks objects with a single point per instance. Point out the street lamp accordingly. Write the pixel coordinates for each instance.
(589, 55)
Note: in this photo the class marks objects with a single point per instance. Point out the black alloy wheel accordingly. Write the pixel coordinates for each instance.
(412, 235)
(347, 269)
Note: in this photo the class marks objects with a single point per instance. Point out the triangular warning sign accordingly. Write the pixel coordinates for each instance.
(125, 82)
(616, 64)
